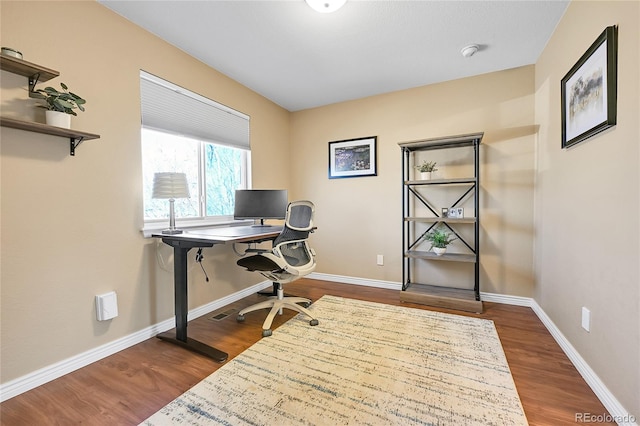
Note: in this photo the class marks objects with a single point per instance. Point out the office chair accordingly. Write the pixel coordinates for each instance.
(290, 258)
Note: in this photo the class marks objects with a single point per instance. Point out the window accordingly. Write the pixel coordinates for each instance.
(197, 136)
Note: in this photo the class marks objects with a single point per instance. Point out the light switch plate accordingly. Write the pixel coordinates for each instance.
(586, 318)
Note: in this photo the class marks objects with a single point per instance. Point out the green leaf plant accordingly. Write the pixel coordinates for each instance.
(64, 101)
(439, 238)
(426, 166)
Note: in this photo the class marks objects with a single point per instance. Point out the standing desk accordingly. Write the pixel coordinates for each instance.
(181, 244)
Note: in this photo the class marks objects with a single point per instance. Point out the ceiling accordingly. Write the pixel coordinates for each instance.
(300, 59)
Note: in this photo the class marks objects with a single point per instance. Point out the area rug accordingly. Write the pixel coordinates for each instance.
(364, 364)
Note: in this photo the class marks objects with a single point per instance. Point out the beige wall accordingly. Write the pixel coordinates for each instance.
(366, 212)
(587, 205)
(71, 225)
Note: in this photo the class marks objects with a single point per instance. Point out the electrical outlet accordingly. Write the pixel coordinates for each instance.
(586, 318)
(380, 260)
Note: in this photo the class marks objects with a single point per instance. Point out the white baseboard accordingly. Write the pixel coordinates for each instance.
(27, 382)
(367, 282)
(39, 377)
(611, 403)
(505, 299)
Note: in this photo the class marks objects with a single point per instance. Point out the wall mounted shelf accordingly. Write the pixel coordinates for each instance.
(36, 73)
(33, 72)
(76, 137)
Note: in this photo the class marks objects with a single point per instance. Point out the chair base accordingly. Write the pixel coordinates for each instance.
(277, 304)
(273, 292)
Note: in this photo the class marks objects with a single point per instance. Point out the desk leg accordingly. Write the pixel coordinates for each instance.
(182, 309)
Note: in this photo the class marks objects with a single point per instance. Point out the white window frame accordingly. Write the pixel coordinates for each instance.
(241, 142)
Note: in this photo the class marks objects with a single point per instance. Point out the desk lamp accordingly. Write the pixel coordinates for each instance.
(170, 186)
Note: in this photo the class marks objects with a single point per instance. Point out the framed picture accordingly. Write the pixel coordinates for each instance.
(589, 91)
(456, 213)
(353, 158)
(444, 212)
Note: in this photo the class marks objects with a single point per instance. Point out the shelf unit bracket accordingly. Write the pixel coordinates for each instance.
(74, 143)
(462, 197)
(33, 80)
(462, 240)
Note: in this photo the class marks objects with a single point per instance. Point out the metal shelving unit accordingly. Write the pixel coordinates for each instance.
(441, 296)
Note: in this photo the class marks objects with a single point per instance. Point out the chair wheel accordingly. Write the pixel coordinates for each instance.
(266, 333)
(240, 318)
(314, 322)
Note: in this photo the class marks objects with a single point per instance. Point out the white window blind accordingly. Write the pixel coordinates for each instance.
(171, 108)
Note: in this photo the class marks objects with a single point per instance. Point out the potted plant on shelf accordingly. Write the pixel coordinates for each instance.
(426, 168)
(439, 240)
(60, 105)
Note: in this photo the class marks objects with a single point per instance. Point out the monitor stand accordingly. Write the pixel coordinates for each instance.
(261, 225)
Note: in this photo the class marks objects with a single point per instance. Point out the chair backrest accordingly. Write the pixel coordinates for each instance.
(300, 215)
(298, 222)
(292, 244)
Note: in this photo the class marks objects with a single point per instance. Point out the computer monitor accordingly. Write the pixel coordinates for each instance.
(260, 204)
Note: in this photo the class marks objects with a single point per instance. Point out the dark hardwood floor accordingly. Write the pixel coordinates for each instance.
(127, 387)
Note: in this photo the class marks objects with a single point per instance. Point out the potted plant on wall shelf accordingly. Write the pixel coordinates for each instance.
(439, 240)
(426, 168)
(60, 105)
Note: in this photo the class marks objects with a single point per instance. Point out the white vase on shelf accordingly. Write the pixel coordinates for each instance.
(439, 251)
(425, 175)
(58, 119)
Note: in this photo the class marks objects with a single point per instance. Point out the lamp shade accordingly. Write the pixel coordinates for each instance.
(170, 185)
